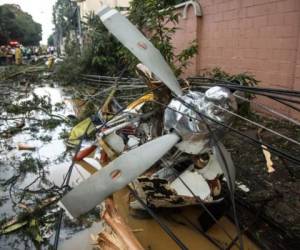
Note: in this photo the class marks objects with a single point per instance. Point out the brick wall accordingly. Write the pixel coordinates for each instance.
(296, 85)
(187, 31)
(257, 36)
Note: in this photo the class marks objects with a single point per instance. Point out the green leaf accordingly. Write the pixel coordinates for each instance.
(13, 227)
(34, 231)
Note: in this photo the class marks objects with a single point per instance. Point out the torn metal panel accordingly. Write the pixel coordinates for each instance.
(115, 142)
(212, 169)
(196, 183)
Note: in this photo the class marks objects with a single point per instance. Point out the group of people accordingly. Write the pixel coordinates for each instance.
(7, 55)
(18, 54)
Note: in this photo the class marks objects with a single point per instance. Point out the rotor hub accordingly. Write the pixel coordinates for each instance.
(189, 116)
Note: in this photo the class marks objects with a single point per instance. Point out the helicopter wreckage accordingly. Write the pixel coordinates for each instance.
(165, 146)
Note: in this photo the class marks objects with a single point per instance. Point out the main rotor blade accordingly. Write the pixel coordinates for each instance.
(140, 46)
(116, 175)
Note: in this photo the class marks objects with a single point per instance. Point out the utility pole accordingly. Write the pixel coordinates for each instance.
(79, 29)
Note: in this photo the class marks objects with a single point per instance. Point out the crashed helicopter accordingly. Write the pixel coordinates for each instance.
(165, 145)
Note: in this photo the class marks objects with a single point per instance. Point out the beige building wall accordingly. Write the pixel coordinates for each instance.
(87, 6)
(261, 37)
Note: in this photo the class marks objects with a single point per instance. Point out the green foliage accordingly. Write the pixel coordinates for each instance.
(71, 68)
(34, 232)
(182, 59)
(158, 19)
(50, 40)
(36, 103)
(64, 134)
(45, 138)
(30, 165)
(244, 79)
(18, 25)
(103, 54)
(8, 28)
(64, 16)
(50, 124)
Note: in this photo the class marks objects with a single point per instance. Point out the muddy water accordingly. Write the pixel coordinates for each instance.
(50, 152)
(56, 160)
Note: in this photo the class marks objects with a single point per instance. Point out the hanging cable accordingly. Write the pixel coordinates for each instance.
(270, 92)
(233, 85)
(281, 100)
(253, 140)
(237, 132)
(65, 184)
(277, 95)
(267, 108)
(287, 104)
(66, 179)
(229, 181)
(198, 199)
(197, 228)
(227, 169)
(258, 125)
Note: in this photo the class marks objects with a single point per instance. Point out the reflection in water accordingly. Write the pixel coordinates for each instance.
(50, 153)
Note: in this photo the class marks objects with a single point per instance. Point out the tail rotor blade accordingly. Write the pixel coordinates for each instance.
(140, 46)
(116, 175)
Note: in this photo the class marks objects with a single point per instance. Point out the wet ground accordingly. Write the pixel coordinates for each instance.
(271, 209)
(34, 115)
(38, 113)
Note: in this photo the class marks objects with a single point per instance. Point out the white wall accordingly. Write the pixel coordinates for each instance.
(95, 5)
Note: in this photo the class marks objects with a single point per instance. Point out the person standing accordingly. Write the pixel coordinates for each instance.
(18, 55)
(13, 53)
(29, 53)
(9, 55)
(2, 55)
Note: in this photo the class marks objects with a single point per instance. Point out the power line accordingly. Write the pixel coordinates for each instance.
(242, 135)
(229, 181)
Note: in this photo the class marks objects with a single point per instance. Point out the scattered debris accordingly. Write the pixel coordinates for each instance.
(18, 222)
(22, 146)
(166, 148)
(267, 154)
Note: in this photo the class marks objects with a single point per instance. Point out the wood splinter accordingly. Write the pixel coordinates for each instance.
(121, 236)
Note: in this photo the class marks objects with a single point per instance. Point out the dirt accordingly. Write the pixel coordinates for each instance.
(271, 209)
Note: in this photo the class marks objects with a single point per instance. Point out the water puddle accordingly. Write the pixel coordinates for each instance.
(38, 172)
